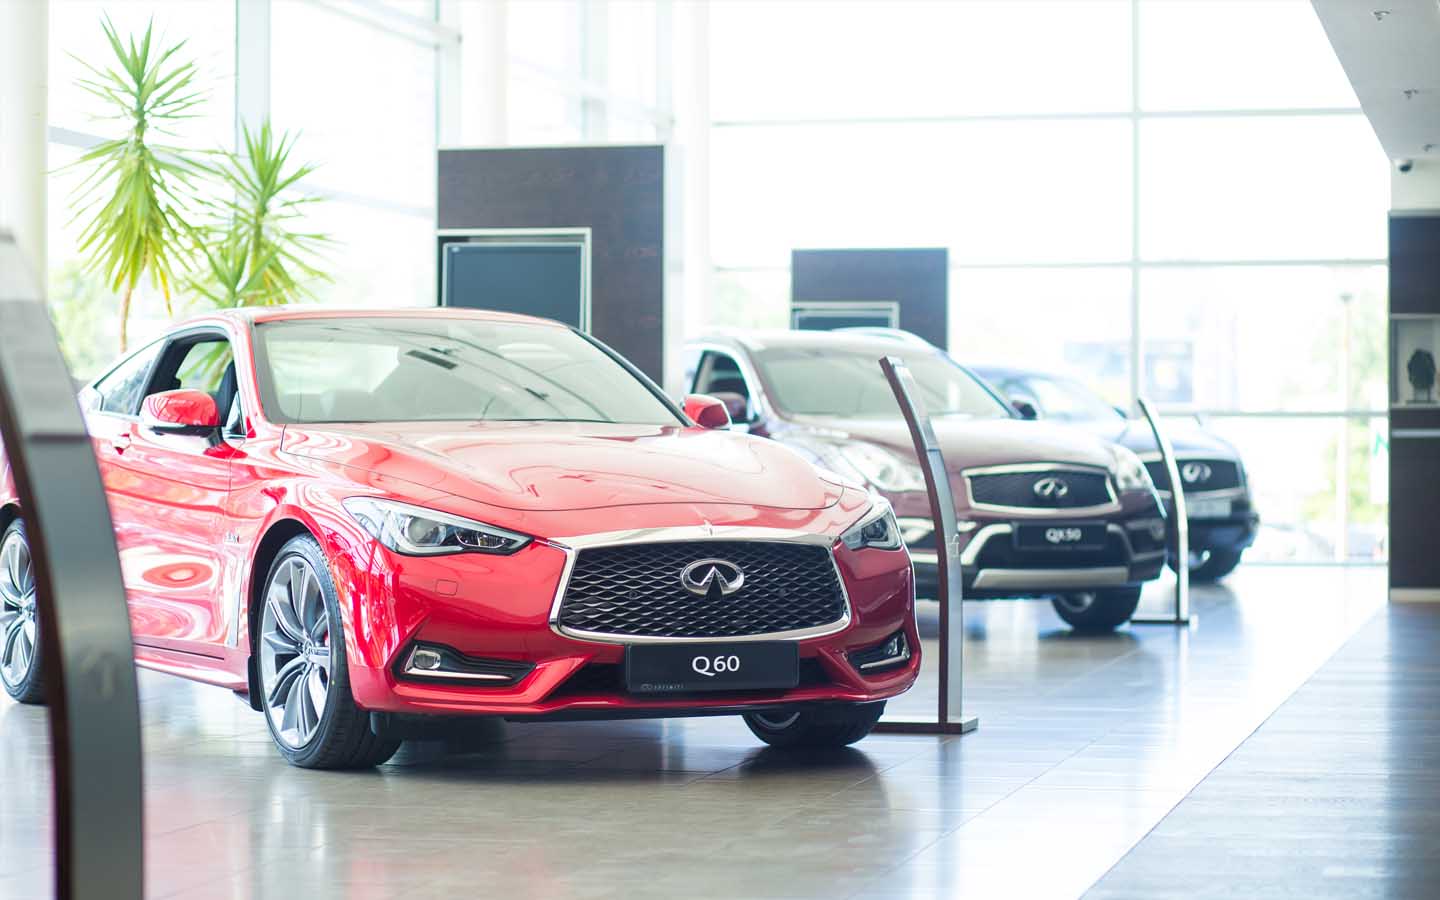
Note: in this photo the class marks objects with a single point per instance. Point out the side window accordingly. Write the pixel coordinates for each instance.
(205, 367)
(720, 374)
(206, 364)
(119, 391)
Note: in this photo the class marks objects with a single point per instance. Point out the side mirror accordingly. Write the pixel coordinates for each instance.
(1025, 408)
(180, 412)
(735, 404)
(707, 412)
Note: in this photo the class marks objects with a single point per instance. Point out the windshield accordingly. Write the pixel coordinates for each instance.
(1063, 399)
(445, 370)
(825, 381)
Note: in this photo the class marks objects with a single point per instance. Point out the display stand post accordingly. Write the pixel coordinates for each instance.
(1179, 530)
(89, 674)
(949, 716)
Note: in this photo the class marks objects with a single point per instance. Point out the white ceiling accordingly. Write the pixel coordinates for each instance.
(1389, 47)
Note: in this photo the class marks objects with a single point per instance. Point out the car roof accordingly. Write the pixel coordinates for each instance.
(251, 314)
(761, 339)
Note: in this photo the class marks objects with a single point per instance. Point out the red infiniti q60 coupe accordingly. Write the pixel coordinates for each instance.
(373, 523)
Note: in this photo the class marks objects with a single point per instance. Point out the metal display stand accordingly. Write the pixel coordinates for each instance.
(89, 675)
(1180, 529)
(949, 717)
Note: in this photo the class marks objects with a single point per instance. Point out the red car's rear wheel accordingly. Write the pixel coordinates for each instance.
(20, 670)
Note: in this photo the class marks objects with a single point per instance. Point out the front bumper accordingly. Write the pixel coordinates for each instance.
(1233, 533)
(503, 609)
(993, 566)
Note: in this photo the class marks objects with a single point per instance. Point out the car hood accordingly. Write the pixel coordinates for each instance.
(1188, 438)
(548, 466)
(968, 443)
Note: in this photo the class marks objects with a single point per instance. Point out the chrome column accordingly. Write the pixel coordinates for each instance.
(84, 626)
(1180, 615)
(950, 717)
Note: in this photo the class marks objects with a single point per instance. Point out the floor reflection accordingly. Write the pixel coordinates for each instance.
(1084, 744)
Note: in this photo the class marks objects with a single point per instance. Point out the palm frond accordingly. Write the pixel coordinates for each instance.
(133, 200)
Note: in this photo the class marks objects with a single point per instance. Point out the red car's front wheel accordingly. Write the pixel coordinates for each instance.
(304, 685)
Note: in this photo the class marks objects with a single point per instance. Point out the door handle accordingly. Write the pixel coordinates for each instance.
(121, 443)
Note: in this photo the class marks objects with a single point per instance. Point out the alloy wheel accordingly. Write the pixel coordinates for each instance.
(18, 628)
(295, 652)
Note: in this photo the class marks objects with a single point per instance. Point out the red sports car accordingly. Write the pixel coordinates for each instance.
(376, 523)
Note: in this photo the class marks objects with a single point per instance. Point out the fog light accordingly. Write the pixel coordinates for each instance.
(425, 660)
(434, 661)
(893, 651)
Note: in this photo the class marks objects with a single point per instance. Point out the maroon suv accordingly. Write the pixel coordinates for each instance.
(1043, 510)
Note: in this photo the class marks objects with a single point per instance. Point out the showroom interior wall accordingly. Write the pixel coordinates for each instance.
(1116, 222)
(1414, 251)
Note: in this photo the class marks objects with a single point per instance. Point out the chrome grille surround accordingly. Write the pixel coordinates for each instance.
(1110, 504)
(572, 547)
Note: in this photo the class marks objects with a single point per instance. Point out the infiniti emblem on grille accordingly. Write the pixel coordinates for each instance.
(1051, 488)
(1195, 473)
(713, 578)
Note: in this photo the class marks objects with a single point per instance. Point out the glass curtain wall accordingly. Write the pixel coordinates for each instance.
(571, 71)
(1175, 198)
(369, 129)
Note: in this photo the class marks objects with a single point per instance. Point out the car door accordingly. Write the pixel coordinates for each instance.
(111, 407)
(170, 491)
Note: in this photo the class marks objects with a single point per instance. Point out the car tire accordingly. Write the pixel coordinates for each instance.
(1097, 611)
(21, 668)
(301, 674)
(816, 728)
(1215, 566)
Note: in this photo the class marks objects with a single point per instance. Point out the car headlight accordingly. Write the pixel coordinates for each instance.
(415, 531)
(877, 529)
(1130, 472)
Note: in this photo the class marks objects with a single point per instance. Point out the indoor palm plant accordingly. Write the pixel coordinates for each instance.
(134, 199)
(252, 253)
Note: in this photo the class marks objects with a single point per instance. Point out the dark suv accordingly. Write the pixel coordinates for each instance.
(1222, 515)
(1043, 510)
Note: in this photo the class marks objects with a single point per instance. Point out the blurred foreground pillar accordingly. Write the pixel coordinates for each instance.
(85, 642)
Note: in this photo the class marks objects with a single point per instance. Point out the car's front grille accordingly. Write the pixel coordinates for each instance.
(635, 590)
(1198, 474)
(1042, 489)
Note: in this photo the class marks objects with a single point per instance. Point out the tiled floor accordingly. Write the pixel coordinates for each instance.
(1337, 795)
(1084, 745)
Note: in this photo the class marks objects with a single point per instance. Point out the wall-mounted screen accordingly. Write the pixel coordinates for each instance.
(545, 279)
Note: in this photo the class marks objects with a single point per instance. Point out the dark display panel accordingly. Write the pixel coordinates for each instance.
(618, 193)
(546, 280)
(917, 280)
